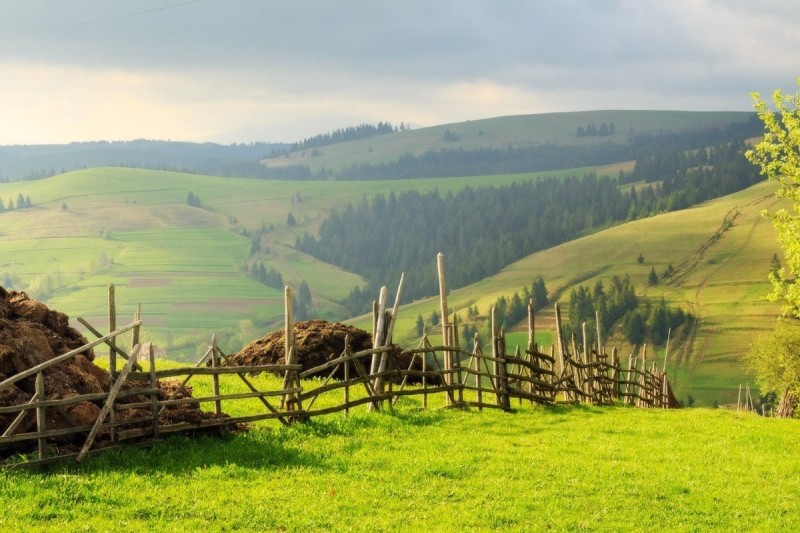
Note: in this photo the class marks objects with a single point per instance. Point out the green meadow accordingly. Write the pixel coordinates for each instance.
(535, 469)
(185, 265)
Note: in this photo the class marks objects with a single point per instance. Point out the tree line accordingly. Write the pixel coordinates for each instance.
(618, 306)
(21, 203)
(484, 229)
(449, 162)
(351, 133)
(481, 230)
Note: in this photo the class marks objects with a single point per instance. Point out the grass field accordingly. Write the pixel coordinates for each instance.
(184, 264)
(537, 469)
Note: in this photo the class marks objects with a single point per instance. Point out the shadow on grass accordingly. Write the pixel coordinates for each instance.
(257, 448)
(288, 447)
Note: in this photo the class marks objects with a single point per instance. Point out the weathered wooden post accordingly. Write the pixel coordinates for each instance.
(377, 339)
(215, 376)
(288, 346)
(137, 317)
(503, 368)
(456, 343)
(424, 342)
(448, 361)
(614, 374)
(41, 415)
(476, 349)
(531, 327)
(346, 376)
(112, 353)
(495, 358)
(600, 350)
(387, 339)
(562, 368)
(154, 387)
(587, 380)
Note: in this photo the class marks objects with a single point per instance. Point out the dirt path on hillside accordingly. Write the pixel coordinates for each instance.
(692, 355)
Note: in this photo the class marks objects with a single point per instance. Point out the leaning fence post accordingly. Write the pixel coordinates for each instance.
(41, 415)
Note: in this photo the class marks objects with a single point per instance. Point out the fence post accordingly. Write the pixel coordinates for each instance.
(215, 377)
(495, 358)
(137, 316)
(288, 345)
(154, 386)
(448, 378)
(41, 415)
(112, 353)
(562, 369)
(346, 376)
(476, 350)
(614, 374)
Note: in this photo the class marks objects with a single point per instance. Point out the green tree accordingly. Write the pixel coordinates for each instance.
(539, 294)
(778, 156)
(774, 358)
(652, 278)
(640, 259)
(304, 293)
(290, 220)
(420, 325)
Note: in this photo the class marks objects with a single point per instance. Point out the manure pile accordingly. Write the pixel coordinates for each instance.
(31, 334)
(318, 342)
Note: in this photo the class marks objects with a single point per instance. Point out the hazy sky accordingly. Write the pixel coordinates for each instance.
(263, 70)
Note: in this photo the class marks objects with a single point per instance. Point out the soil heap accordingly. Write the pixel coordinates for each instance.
(317, 342)
(31, 334)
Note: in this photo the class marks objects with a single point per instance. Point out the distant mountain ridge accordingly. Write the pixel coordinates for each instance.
(25, 162)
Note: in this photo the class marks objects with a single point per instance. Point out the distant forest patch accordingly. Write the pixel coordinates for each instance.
(482, 230)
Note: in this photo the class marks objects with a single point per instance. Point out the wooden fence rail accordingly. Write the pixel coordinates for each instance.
(137, 408)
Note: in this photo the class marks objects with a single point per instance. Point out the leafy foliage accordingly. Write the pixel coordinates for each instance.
(775, 359)
(778, 157)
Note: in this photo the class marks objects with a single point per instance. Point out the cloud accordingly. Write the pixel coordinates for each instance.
(293, 68)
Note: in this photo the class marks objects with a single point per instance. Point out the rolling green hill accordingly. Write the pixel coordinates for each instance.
(133, 228)
(187, 264)
(721, 277)
(517, 131)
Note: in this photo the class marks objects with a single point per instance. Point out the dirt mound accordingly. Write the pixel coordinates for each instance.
(317, 342)
(30, 334)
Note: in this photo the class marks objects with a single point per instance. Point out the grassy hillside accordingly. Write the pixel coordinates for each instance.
(502, 132)
(133, 228)
(720, 277)
(558, 468)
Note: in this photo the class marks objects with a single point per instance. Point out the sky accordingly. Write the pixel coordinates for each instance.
(279, 71)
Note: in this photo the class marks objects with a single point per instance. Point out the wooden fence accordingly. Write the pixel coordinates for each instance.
(137, 409)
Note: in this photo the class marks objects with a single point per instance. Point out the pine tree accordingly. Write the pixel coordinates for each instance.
(420, 325)
(652, 278)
